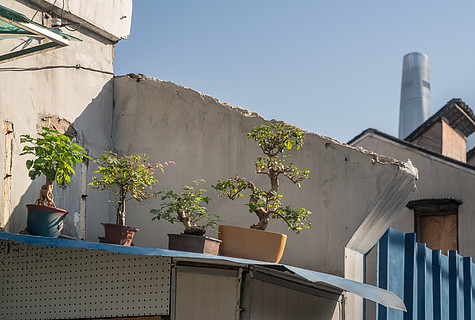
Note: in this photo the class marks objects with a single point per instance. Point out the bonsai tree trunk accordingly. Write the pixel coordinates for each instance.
(120, 216)
(46, 194)
(190, 228)
(261, 212)
(263, 219)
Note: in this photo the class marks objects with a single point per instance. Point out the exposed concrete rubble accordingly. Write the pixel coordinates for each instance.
(63, 126)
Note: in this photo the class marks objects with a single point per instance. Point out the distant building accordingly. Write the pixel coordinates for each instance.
(442, 209)
(415, 92)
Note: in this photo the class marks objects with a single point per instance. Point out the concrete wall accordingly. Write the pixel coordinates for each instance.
(48, 85)
(206, 139)
(437, 179)
(471, 161)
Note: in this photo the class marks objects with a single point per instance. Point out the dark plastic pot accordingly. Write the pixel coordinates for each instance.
(190, 243)
(118, 234)
(45, 221)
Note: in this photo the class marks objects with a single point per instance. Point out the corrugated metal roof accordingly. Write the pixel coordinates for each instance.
(384, 297)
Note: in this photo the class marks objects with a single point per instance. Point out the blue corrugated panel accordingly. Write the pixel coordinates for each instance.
(395, 278)
(388, 277)
(473, 290)
(436, 286)
(410, 277)
(467, 288)
(421, 281)
(445, 292)
(437, 283)
(382, 272)
(429, 285)
(455, 286)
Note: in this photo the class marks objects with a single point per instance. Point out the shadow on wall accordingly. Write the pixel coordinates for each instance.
(93, 128)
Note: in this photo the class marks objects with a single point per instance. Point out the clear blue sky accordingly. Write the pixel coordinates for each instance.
(330, 67)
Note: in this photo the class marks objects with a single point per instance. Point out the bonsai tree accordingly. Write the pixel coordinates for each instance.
(54, 157)
(187, 208)
(273, 139)
(128, 177)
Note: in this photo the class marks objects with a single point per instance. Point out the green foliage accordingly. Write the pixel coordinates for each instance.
(125, 176)
(273, 138)
(55, 155)
(187, 208)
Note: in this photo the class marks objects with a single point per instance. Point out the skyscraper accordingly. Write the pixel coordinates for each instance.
(415, 93)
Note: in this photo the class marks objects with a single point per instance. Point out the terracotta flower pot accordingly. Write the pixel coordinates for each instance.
(118, 234)
(252, 244)
(45, 221)
(191, 243)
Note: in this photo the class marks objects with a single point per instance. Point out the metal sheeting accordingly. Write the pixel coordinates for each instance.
(369, 292)
(12, 22)
(435, 286)
(40, 282)
(16, 25)
(206, 293)
(387, 298)
(276, 302)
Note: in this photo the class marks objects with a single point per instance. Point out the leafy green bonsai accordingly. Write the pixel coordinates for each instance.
(125, 175)
(54, 156)
(187, 208)
(273, 138)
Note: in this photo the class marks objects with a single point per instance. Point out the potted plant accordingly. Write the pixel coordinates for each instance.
(128, 177)
(54, 156)
(189, 209)
(273, 138)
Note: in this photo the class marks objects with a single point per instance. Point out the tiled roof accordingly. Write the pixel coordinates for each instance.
(458, 115)
(415, 203)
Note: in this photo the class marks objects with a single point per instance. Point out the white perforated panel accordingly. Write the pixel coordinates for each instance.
(38, 282)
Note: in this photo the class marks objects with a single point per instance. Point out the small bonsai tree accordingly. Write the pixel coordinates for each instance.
(187, 208)
(273, 138)
(128, 177)
(54, 157)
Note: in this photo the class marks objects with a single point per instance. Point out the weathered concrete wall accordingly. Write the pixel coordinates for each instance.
(471, 161)
(206, 139)
(48, 84)
(437, 179)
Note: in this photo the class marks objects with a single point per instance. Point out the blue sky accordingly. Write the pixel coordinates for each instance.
(330, 67)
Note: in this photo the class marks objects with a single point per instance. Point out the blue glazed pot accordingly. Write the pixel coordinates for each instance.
(45, 221)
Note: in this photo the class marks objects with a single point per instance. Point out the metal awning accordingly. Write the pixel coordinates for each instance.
(378, 295)
(16, 25)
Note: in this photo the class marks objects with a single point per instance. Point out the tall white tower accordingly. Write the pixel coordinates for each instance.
(415, 93)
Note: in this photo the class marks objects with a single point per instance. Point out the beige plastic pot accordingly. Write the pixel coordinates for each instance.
(252, 244)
